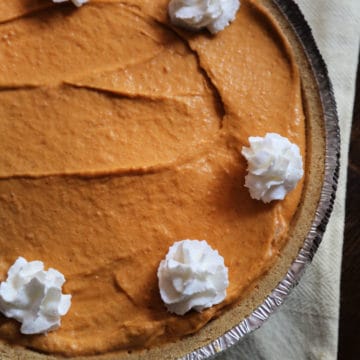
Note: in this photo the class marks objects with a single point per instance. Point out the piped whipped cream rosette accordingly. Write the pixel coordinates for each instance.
(77, 3)
(275, 167)
(34, 296)
(214, 15)
(192, 276)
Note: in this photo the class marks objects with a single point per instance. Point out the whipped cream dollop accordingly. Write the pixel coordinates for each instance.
(215, 15)
(78, 3)
(192, 276)
(275, 167)
(33, 296)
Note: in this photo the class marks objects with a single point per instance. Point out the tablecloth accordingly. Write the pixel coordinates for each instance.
(306, 326)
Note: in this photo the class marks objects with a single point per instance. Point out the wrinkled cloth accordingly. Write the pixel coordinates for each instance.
(306, 325)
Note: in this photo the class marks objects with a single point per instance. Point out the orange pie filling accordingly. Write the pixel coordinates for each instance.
(119, 135)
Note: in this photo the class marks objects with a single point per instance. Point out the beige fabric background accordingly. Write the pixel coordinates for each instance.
(306, 326)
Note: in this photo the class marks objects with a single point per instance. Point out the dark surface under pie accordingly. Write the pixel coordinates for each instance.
(349, 333)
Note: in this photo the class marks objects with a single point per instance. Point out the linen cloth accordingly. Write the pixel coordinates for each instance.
(306, 325)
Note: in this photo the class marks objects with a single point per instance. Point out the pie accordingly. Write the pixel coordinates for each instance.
(121, 134)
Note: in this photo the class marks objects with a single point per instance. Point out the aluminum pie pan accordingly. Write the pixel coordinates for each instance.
(293, 15)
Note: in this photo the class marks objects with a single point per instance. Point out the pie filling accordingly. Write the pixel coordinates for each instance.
(121, 134)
